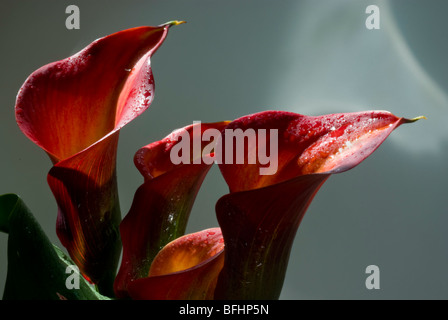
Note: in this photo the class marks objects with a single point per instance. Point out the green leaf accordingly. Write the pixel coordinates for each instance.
(36, 268)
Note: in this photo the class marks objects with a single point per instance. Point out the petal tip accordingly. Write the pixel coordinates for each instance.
(174, 23)
(414, 119)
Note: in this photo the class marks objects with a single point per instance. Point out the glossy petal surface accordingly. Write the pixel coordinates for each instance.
(260, 216)
(185, 269)
(73, 109)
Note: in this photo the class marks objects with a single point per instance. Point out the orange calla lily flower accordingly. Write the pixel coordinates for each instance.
(185, 269)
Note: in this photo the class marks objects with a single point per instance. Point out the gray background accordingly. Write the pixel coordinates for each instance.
(234, 58)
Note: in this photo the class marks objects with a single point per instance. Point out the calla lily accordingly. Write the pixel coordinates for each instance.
(260, 216)
(310, 149)
(162, 204)
(185, 269)
(74, 109)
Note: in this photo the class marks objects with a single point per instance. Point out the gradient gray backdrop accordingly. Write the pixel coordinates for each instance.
(234, 58)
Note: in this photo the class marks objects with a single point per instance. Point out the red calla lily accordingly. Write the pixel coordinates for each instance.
(310, 149)
(185, 269)
(260, 216)
(73, 109)
(162, 205)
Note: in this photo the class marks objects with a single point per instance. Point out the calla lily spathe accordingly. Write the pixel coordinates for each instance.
(162, 204)
(74, 109)
(260, 216)
(310, 149)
